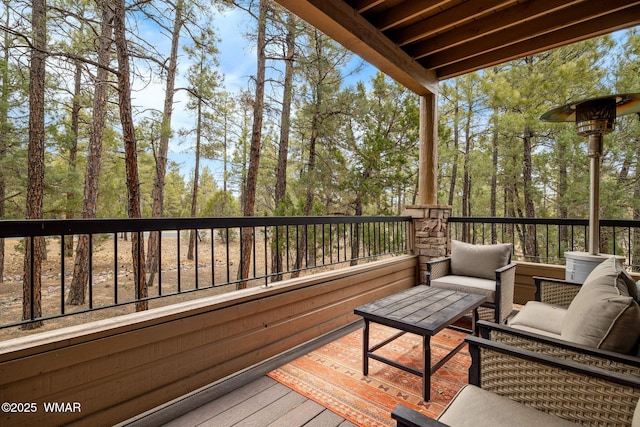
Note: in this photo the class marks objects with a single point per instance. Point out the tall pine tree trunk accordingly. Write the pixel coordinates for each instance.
(563, 187)
(4, 130)
(301, 254)
(456, 146)
(254, 153)
(131, 156)
(283, 150)
(161, 160)
(73, 150)
(530, 244)
(635, 243)
(466, 176)
(34, 248)
(80, 276)
(493, 203)
(196, 180)
(311, 166)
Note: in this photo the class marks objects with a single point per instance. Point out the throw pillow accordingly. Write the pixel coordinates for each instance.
(478, 260)
(604, 314)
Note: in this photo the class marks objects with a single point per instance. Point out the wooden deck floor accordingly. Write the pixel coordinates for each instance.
(263, 402)
(248, 398)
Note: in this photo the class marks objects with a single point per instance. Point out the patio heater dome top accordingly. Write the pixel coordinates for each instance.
(595, 115)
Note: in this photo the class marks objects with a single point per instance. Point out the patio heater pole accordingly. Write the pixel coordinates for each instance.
(594, 118)
(594, 194)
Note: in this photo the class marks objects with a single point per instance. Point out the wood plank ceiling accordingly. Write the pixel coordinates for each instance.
(419, 42)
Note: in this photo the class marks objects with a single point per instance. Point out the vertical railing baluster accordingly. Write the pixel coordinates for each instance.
(32, 269)
(297, 262)
(558, 255)
(179, 262)
(286, 246)
(546, 251)
(330, 243)
(629, 250)
(195, 258)
(227, 257)
(254, 234)
(90, 271)
(115, 267)
(62, 273)
(213, 258)
(139, 270)
(160, 262)
(266, 254)
(340, 230)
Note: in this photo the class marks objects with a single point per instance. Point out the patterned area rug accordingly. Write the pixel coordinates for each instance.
(332, 376)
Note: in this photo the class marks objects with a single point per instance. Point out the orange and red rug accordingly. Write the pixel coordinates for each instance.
(332, 376)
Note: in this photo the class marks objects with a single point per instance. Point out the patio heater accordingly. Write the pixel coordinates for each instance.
(594, 118)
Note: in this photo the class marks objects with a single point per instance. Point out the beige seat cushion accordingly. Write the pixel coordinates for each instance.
(538, 317)
(475, 407)
(470, 285)
(604, 314)
(635, 421)
(478, 260)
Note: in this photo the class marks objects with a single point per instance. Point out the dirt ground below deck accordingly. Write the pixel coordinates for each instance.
(114, 280)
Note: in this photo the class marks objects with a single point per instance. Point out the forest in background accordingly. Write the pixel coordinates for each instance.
(299, 139)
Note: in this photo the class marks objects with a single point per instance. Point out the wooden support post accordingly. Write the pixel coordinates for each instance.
(428, 160)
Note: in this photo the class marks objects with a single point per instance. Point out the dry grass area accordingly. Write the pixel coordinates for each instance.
(113, 279)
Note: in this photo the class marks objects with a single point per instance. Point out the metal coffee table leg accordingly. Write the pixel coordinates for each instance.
(426, 367)
(365, 348)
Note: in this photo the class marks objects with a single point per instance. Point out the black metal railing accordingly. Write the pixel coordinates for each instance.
(280, 248)
(545, 240)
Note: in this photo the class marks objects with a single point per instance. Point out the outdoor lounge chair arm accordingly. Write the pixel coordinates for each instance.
(506, 370)
(438, 268)
(555, 291)
(583, 392)
(406, 417)
(505, 288)
(616, 362)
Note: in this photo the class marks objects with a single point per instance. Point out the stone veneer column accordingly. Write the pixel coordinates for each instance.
(431, 233)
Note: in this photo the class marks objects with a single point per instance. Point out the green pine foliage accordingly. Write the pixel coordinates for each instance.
(496, 157)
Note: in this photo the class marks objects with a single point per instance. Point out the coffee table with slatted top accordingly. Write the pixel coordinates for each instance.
(421, 310)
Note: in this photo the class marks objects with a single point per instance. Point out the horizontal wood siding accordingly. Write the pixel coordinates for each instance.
(124, 366)
(525, 288)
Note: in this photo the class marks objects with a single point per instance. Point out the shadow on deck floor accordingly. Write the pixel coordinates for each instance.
(250, 398)
(263, 402)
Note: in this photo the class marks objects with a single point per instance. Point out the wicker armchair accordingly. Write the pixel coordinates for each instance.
(601, 315)
(483, 269)
(560, 293)
(587, 355)
(513, 386)
(555, 291)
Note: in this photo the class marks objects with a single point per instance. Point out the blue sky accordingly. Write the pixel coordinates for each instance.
(237, 63)
(237, 58)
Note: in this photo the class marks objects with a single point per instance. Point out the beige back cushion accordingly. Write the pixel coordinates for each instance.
(478, 260)
(604, 314)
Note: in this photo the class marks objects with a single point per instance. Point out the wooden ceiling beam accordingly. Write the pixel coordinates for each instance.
(447, 20)
(406, 11)
(552, 23)
(363, 5)
(584, 30)
(343, 24)
(483, 27)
